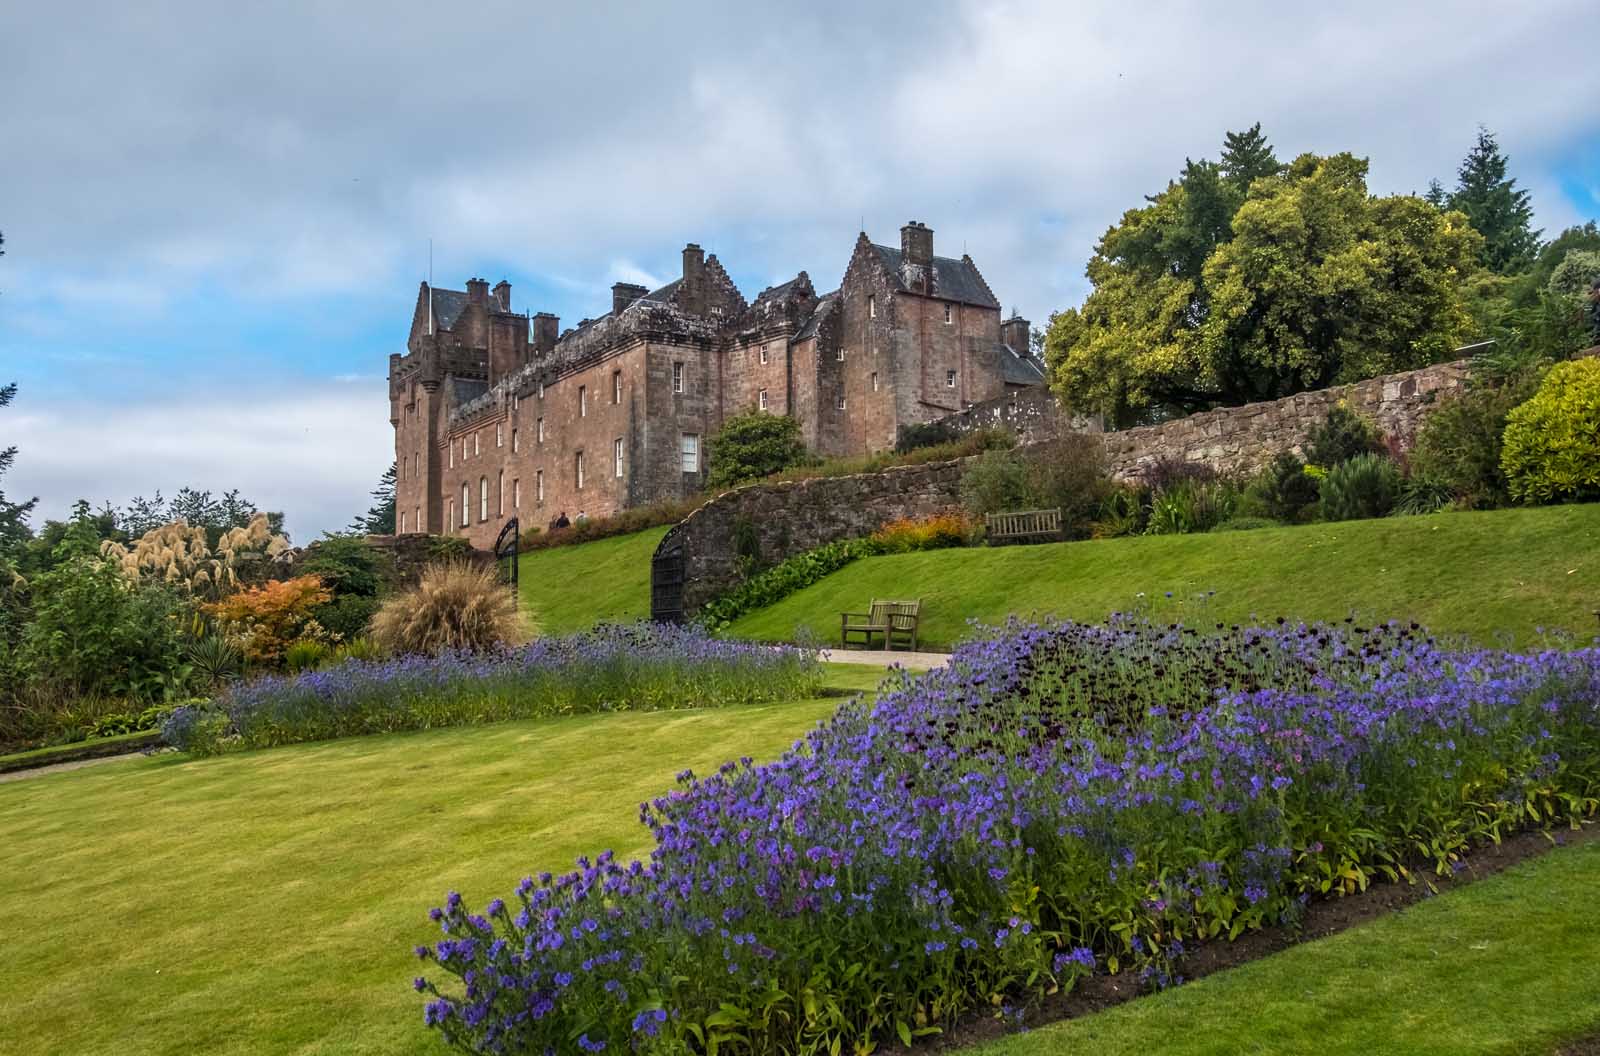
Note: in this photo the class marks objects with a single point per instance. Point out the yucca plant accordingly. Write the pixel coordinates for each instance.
(455, 606)
(215, 659)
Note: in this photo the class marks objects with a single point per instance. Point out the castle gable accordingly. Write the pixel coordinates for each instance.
(953, 280)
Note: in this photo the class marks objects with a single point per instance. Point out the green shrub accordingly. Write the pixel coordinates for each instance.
(1459, 444)
(1551, 448)
(1365, 486)
(1125, 511)
(1424, 493)
(346, 616)
(1068, 474)
(625, 523)
(995, 481)
(306, 655)
(1285, 490)
(781, 580)
(362, 648)
(1343, 435)
(753, 445)
(453, 607)
(347, 565)
(965, 447)
(925, 434)
(1192, 506)
(215, 659)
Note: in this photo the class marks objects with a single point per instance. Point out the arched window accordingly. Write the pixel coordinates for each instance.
(483, 498)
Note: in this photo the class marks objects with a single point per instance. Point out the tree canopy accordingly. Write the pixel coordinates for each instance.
(379, 518)
(1248, 280)
(13, 515)
(1494, 206)
(752, 445)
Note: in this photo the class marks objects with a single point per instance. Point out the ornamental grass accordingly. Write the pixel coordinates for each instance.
(634, 667)
(1062, 799)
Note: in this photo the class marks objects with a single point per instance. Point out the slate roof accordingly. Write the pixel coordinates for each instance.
(665, 294)
(953, 280)
(826, 304)
(447, 308)
(1019, 368)
(466, 390)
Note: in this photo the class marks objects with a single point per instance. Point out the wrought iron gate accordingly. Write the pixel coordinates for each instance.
(666, 578)
(505, 549)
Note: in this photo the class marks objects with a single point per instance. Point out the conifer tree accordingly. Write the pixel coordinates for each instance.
(1497, 209)
(13, 515)
(379, 520)
(1247, 156)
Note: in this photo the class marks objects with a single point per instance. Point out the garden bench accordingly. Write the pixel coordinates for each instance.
(896, 621)
(1021, 526)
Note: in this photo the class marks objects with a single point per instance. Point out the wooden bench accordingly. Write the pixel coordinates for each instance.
(1022, 526)
(896, 621)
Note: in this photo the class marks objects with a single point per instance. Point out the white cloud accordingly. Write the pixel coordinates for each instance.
(315, 455)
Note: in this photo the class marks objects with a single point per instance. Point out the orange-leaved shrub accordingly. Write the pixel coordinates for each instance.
(263, 621)
(925, 533)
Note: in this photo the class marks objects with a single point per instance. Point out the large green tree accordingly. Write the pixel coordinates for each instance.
(1309, 281)
(752, 445)
(1496, 208)
(379, 518)
(13, 515)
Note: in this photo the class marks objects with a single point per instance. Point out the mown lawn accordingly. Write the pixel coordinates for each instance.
(571, 588)
(267, 902)
(1507, 965)
(1484, 575)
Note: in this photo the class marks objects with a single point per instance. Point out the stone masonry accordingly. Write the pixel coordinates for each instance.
(499, 414)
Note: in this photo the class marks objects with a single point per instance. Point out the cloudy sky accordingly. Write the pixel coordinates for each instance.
(216, 215)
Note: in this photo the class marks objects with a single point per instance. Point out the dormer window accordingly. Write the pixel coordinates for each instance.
(949, 314)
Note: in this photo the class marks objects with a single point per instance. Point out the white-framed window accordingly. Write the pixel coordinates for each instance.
(616, 457)
(949, 314)
(516, 443)
(839, 401)
(466, 504)
(499, 436)
(578, 468)
(483, 498)
(538, 485)
(874, 381)
(477, 445)
(677, 377)
(516, 401)
(689, 447)
(950, 379)
(541, 390)
(761, 399)
(403, 516)
(452, 454)
(449, 514)
(463, 449)
(616, 386)
(516, 494)
(500, 493)
(583, 401)
(840, 355)
(872, 306)
(539, 426)
(763, 354)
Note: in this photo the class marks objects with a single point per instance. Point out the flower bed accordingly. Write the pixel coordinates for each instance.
(1062, 799)
(638, 667)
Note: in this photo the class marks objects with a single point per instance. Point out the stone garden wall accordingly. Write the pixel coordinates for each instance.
(792, 517)
(1243, 439)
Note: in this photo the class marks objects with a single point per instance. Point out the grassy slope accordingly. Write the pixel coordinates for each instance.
(1469, 573)
(267, 902)
(1509, 965)
(570, 588)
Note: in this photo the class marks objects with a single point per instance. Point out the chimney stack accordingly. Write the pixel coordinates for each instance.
(502, 295)
(624, 294)
(692, 291)
(477, 291)
(546, 329)
(1016, 332)
(916, 244)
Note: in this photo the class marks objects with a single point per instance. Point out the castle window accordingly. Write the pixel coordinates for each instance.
(949, 314)
(515, 442)
(616, 457)
(840, 355)
(874, 381)
(839, 403)
(499, 437)
(578, 466)
(583, 401)
(449, 514)
(541, 390)
(763, 354)
(540, 427)
(477, 446)
(463, 449)
(402, 522)
(872, 306)
(538, 486)
(483, 498)
(761, 399)
(416, 518)
(616, 386)
(466, 504)
(677, 377)
(452, 455)
(690, 449)
(950, 378)
(500, 493)
(516, 494)
(516, 401)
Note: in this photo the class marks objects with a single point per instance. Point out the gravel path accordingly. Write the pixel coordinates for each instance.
(887, 658)
(39, 771)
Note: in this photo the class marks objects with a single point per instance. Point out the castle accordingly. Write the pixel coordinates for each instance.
(497, 414)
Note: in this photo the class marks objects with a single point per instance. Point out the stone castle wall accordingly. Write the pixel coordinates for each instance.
(1032, 415)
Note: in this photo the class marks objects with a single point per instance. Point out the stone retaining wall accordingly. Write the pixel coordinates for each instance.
(1032, 415)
